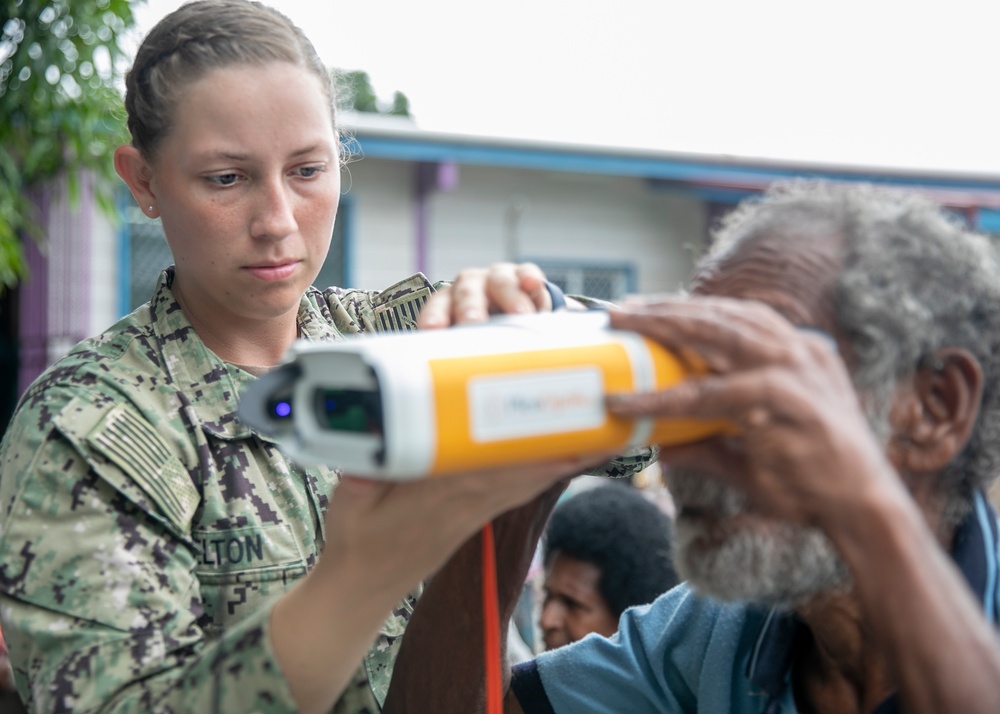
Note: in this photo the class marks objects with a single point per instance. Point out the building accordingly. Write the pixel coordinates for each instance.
(602, 221)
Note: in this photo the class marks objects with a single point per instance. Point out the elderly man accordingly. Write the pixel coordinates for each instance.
(838, 549)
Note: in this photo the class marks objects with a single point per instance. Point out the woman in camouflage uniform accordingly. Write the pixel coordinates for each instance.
(155, 553)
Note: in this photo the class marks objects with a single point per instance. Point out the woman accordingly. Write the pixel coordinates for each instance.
(157, 555)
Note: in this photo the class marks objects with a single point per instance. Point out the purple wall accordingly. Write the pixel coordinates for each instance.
(54, 305)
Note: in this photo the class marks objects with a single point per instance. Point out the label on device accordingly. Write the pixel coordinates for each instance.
(511, 406)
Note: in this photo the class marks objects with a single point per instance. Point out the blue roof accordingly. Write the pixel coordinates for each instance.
(714, 178)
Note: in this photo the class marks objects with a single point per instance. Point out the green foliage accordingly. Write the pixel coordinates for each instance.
(400, 105)
(60, 109)
(354, 91)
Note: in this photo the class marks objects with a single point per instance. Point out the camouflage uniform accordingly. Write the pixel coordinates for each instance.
(145, 532)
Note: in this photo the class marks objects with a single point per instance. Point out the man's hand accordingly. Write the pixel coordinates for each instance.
(800, 441)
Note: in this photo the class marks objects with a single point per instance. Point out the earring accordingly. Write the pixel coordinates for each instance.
(151, 208)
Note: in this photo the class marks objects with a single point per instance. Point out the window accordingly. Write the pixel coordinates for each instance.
(598, 280)
(147, 252)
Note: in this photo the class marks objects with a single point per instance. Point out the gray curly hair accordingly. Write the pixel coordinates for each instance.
(914, 281)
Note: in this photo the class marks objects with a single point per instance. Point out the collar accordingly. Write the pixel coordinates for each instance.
(209, 385)
(975, 548)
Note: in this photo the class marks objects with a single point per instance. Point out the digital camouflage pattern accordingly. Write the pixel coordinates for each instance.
(145, 532)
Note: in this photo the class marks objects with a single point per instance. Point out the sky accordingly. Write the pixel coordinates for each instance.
(883, 83)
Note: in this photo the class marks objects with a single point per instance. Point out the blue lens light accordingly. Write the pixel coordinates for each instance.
(282, 409)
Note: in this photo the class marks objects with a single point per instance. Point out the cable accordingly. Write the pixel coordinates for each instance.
(491, 626)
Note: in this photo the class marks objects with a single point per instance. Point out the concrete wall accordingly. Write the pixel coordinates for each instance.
(496, 214)
(105, 302)
(382, 200)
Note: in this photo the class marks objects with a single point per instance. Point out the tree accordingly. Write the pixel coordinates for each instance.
(60, 109)
(355, 92)
(400, 105)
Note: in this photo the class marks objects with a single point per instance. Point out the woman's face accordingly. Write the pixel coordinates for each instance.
(247, 186)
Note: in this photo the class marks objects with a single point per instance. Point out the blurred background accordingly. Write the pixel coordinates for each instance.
(601, 141)
(884, 82)
(598, 141)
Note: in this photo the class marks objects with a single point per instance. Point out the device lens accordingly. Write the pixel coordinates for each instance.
(349, 410)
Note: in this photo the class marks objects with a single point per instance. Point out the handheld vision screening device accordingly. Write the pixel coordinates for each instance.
(515, 389)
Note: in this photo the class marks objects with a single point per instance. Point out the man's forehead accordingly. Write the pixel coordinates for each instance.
(795, 275)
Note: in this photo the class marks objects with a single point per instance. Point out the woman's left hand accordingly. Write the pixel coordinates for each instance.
(477, 293)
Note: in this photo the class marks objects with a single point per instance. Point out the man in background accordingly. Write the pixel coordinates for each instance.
(605, 549)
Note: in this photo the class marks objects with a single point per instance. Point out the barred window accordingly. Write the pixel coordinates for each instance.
(148, 254)
(598, 280)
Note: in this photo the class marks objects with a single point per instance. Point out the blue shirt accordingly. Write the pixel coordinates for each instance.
(689, 653)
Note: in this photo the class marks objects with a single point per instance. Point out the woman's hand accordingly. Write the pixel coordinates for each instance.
(382, 538)
(477, 293)
(394, 534)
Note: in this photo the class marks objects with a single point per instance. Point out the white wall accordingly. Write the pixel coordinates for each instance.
(105, 273)
(81, 247)
(381, 194)
(499, 214)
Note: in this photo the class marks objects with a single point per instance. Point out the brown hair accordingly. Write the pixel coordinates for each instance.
(199, 37)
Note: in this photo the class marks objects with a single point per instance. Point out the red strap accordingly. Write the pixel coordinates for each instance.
(491, 626)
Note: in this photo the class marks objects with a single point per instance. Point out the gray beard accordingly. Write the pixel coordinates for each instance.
(771, 563)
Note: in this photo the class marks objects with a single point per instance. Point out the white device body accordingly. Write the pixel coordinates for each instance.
(514, 389)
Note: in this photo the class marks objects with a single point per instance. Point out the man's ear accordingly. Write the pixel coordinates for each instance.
(137, 174)
(936, 414)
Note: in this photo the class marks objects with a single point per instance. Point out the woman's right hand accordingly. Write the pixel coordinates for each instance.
(393, 534)
(382, 539)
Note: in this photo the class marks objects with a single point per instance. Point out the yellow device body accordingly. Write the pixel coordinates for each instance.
(459, 448)
(515, 390)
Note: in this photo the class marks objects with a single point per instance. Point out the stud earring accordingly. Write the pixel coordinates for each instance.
(151, 208)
